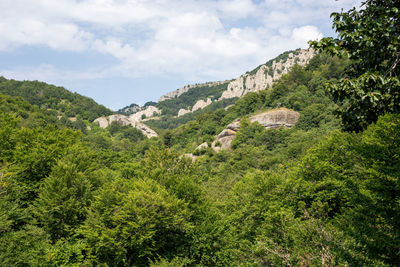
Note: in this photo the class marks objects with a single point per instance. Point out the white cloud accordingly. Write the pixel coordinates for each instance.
(304, 34)
(58, 36)
(236, 8)
(196, 39)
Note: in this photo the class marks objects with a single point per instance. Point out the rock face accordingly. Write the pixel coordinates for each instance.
(201, 104)
(201, 146)
(102, 121)
(277, 118)
(224, 139)
(265, 75)
(270, 119)
(259, 79)
(148, 112)
(146, 130)
(186, 88)
(124, 121)
(133, 108)
(182, 112)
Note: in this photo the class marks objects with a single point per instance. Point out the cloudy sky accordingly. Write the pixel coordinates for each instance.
(120, 52)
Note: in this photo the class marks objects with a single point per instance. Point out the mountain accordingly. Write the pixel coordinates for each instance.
(182, 105)
(56, 98)
(193, 97)
(243, 185)
(271, 179)
(134, 108)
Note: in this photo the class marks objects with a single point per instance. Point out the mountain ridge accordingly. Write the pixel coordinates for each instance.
(193, 97)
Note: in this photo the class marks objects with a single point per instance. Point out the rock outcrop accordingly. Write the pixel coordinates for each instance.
(201, 104)
(265, 75)
(186, 88)
(131, 109)
(259, 79)
(269, 119)
(124, 121)
(150, 111)
(224, 140)
(146, 130)
(102, 121)
(182, 112)
(201, 146)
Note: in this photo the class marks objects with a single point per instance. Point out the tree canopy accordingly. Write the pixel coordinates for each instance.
(370, 37)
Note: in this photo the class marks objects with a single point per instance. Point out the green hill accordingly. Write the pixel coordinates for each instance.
(311, 194)
(48, 96)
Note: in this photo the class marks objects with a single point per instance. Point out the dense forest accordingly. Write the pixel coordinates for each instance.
(325, 192)
(52, 97)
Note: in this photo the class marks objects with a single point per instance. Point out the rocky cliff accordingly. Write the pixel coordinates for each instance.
(124, 121)
(269, 119)
(186, 88)
(131, 109)
(256, 80)
(149, 111)
(265, 75)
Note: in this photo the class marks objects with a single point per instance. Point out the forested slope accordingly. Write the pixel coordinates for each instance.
(281, 196)
(53, 97)
(309, 195)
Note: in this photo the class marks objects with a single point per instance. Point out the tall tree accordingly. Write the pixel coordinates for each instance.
(370, 37)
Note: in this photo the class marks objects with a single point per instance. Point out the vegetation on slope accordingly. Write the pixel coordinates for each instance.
(188, 99)
(311, 195)
(48, 96)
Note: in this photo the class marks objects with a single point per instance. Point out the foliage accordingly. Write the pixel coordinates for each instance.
(370, 38)
(189, 98)
(309, 195)
(56, 98)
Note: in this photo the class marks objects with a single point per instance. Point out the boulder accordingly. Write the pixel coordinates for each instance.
(270, 119)
(148, 112)
(123, 120)
(102, 121)
(277, 118)
(226, 132)
(201, 104)
(120, 119)
(203, 145)
(182, 112)
(234, 126)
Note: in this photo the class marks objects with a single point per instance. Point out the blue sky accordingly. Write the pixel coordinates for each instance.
(120, 52)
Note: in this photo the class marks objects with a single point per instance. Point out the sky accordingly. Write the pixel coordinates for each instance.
(120, 52)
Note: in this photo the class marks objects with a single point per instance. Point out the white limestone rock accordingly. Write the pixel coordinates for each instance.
(123, 120)
(201, 146)
(146, 130)
(102, 121)
(182, 112)
(277, 118)
(269, 119)
(120, 119)
(265, 76)
(201, 104)
(150, 111)
(186, 88)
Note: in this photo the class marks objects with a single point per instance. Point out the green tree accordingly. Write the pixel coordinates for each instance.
(66, 193)
(131, 222)
(370, 37)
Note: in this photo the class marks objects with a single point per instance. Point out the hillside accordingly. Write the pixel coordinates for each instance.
(178, 106)
(48, 96)
(93, 197)
(303, 173)
(193, 97)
